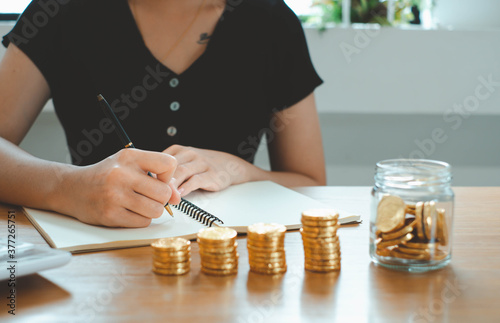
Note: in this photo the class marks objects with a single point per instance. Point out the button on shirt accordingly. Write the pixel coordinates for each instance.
(256, 64)
(171, 131)
(174, 106)
(174, 82)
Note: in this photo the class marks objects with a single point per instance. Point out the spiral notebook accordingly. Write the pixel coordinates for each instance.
(237, 207)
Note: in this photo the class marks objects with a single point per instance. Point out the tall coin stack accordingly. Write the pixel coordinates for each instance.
(266, 248)
(171, 256)
(218, 251)
(321, 243)
(416, 232)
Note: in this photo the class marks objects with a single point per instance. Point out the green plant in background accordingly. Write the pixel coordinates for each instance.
(365, 11)
(329, 12)
(369, 11)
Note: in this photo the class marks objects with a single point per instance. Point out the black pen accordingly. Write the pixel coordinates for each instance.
(121, 132)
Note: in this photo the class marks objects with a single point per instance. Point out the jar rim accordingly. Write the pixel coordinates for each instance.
(417, 164)
(412, 173)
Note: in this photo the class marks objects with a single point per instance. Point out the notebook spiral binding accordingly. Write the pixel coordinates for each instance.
(197, 213)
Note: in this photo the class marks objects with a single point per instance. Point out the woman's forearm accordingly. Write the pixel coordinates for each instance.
(285, 178)
(27, 180)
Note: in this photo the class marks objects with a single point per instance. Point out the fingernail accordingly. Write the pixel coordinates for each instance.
(180, 190)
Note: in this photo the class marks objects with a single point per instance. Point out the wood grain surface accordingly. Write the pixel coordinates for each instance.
(119, 286)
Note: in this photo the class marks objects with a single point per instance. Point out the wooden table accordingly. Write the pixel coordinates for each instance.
(118, 286)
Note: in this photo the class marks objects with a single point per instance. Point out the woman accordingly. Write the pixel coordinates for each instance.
(196, 83)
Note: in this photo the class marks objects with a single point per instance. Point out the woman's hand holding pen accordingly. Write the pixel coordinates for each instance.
(117, 191)
(207, 169)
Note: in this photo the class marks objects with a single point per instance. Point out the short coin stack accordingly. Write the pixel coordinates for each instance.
(416, 232)
(218, 251)
(266, 248)
(171, 256)
(321, 242)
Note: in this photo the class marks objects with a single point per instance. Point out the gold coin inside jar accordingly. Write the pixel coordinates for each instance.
(390, 213)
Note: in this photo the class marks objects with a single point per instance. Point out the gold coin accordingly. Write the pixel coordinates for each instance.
(173, 265)
(227, 266)
(387, 243)
(320, 241)
(419, 245)
(171, 259)
(279, 253)
(265, 257)
(216, 243)
(262, 250)
(265, 262)
(439, 255)
(255, 264)
(384, 252)
(268, 271)
(396, 252)
(331, 247)
(419, 209)
(414, 251)
(266, 229)
(171, 272)
(442, 227)
(429, 215)
(322, 268)
(320, 215)
(217, 234)
(172, 253)
(220, 261)
(219, 272)
(171, 244)
(218, 250)
(324, 247)
(390, 213)
(408, 228)
(319, 235)
(220, 256)
(268, 245)
(265, 238)
(320, 230)
(320, 244)
(328, 262)
(324, 256)
(410, 209)
(319, 224)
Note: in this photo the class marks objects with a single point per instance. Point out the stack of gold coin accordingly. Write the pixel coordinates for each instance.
(171, 256)
(407, 231)
(321, 242)
(266, 248)
(218, 251)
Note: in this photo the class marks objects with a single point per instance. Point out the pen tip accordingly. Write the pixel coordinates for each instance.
(169, 210)
(100, 97)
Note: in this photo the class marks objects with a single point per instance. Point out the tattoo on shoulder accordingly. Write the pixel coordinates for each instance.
(204, 39)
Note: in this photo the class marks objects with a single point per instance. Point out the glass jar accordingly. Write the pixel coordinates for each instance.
(411, 214)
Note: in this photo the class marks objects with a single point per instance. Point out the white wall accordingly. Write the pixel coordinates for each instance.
(467, 14)
(391, 70)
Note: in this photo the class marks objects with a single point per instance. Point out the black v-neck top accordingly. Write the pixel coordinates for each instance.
(255, 64)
